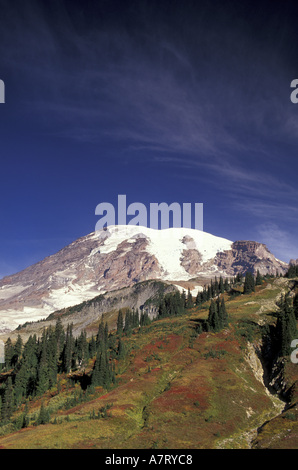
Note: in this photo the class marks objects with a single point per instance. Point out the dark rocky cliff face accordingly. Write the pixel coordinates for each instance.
(294, 262)
(249, 256)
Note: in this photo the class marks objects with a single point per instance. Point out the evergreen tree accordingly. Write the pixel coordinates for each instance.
(189, 301)
(44, 415)
(292, 271)
(20, 385)
(18, 347)
(103, 372)
(172, 304)
(120, 322)
(60, 336)
(286, 326)
(295, 305)
(96, 373)
(8, 400)
(209, 292)
(135, 318)
(100, 334)
(198, 300)
(52, 357)
(68, 350)
(128, 322)
(212, 290)
(204, 295)
(223, 315)
(217, 317)
(213, 320)
(259, 279)
(221, 285)
(183, 298)
(162, 310)
(145, 319)
(249, 283)
(31, 364)
(9, 353)
(106, 335)
(81, 350)
(92, 347)
(216, 287)
(43, 371)
(120, 349)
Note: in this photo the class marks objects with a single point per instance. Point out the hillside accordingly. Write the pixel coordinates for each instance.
(87, 315)
(178, 386)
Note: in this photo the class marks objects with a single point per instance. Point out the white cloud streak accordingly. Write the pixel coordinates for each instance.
(279, 241)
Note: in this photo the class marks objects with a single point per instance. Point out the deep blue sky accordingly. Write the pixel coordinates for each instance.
(164, 101)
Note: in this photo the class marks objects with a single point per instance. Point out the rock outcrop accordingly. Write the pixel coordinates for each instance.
(249, 256)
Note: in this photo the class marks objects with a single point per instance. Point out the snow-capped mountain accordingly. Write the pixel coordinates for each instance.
(120, 256)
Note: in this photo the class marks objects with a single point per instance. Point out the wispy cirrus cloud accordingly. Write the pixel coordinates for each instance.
(280, 242)
(168, 92)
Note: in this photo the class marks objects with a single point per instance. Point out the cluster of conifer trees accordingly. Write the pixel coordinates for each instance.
(221, 286)
(108, 346)
(128, 319)
(35, 365)
(178, 303)
(104, 370)
(214, 289)
(218, 316)
(172, 304)
(286, 326)
(292, 271)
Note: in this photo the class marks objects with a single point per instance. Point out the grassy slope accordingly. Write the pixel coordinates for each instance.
(177, 390)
